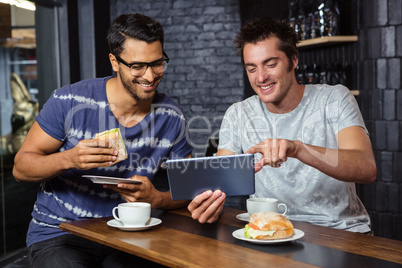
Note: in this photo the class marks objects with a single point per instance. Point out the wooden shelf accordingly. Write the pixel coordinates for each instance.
(355, 92)
(22, 38)
(327, 41)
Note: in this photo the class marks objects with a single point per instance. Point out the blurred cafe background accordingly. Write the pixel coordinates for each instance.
(45, 44)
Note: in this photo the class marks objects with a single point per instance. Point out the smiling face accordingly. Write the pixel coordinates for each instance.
(269, 73)
(144, 87)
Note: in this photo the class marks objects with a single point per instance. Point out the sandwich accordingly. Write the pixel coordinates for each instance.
(268, 226)
(115, 140)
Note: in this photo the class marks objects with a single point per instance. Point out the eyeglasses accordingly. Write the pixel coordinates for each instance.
(139, 68)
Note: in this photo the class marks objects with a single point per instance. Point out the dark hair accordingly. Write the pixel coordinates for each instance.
(262, 28)
(135, 26)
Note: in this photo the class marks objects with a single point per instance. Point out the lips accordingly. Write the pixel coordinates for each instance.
(267, 88)
(146, 85)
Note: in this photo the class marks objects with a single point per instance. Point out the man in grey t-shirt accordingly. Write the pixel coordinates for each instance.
(310, 141)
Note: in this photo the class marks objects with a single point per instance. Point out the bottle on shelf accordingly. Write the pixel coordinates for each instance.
(331, 73)
(292, 14)
(314, 18)
(333, 17)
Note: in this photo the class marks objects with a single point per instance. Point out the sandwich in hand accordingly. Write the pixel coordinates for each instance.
(268, 226)
(115, 140)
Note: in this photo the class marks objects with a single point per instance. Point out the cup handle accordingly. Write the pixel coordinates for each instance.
(114, 213)
(285, 207)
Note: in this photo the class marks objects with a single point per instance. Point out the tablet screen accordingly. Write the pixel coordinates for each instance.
(233, 174)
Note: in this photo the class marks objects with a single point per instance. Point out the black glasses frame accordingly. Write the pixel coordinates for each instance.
(148, 64)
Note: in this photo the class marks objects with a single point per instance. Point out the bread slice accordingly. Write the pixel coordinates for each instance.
(277, 235)
(113, 136)
(269, 221)
(277, 225)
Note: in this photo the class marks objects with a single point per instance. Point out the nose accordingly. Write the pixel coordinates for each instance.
(262, 75)
(149, 74)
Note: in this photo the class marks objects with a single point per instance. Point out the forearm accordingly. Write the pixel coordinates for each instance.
(166, 202)
(34, 167)
(347, 165)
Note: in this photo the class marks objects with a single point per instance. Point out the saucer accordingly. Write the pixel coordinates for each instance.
(239, 234)
(117, 224)
(243, 217)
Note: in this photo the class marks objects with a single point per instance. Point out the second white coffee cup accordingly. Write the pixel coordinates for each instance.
(255, 205)
(132, 214)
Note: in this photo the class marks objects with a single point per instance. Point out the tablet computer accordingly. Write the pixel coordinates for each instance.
(233, 174)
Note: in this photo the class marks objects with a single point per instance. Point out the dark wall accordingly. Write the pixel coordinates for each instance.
(82, 33)
(102, 22)
(380, 52)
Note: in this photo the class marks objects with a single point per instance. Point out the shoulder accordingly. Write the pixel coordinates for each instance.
(328, 90)
(83, 86)
(322, 94)
(162, 104)
(253, 100)
(86, 91)
(163, 98)
(250, 105)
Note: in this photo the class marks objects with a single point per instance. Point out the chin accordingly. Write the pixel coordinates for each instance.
(265, 98)
(145, 96)
(140, 94)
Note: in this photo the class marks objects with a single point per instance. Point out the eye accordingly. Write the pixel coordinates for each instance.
(251, 70)
(158, 63)
(138, 66)
(271, 65)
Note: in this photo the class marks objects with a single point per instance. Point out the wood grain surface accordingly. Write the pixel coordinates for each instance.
(180, 241)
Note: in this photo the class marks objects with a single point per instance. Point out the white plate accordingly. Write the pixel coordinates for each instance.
(239, 234)
(109, 180)
(243, 217)
(117, 224)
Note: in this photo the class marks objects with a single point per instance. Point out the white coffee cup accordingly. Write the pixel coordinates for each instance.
(132, 214)
(255, 205)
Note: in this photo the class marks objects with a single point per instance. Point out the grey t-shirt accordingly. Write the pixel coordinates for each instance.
(309, 194)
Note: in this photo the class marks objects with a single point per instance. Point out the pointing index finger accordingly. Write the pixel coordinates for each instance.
(252, 150)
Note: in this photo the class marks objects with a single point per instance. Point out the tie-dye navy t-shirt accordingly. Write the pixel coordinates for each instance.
(79, 111)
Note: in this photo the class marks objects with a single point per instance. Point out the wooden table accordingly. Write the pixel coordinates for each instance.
(180, 241)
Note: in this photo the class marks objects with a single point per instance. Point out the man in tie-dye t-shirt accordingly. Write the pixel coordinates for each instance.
(60, 147)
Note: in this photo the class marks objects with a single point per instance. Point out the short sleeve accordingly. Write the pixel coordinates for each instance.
(345, 109)
(181, 147)
(229, 133)
(53, 116)
(171, 126)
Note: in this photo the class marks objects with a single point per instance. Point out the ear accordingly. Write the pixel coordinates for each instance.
(113, 62)
(295, 61)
